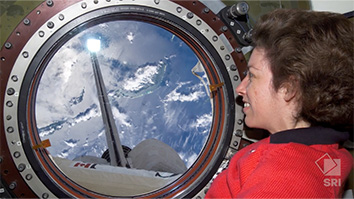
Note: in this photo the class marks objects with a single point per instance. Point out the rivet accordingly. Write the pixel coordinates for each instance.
(206, 10)
(83, 5)
(45, 195)
(232, 23)
(179, 9)
(95, 1)
(222, 47)
(233, 67)
(224, 28)
(50, 3)
(239, 122)
(238, 49)
(108, 0)
(10, 129)
(9, 117)
(21, 167)
(238, 133)
(12, 186)
(41, 33)
(14, 78)
(157, 1)
(50, 24)
(9, 104)
(0, 159)
(25, 54)
(61, 17)
(17, 154)
(28, 176)
(227, 57)
(10, 91)
(238, 32)
(235, 143)
(215, 38)
(8, 45)
(199, 22)
(2, 190)
(190, 15)
(206, 190)
(198, 197)
(18, 33)
(38, 12)
(3, 59)
(26, 22)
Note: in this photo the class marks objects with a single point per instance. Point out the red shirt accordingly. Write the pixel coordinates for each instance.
(287, 165)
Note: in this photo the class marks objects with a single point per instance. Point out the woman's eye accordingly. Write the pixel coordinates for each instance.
(250, 75)
(246, 72)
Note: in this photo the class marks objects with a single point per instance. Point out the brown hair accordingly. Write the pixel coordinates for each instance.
(312, 51)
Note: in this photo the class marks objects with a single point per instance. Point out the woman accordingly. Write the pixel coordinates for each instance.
(299, 87)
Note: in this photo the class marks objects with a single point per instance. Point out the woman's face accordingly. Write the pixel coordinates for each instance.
(263, 106)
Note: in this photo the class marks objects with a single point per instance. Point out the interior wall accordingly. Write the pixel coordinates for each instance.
(13, 12)
(339, 6)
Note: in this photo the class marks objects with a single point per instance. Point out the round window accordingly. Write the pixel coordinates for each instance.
(121, 99)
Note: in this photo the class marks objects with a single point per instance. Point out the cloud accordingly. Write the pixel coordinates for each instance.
(203, 121)
(122, 118)
(193, 95)
(142, 77)
(188, 158)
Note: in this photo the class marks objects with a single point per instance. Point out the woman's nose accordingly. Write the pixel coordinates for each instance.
(241, 88)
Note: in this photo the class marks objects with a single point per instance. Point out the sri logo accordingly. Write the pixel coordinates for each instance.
(330, 167)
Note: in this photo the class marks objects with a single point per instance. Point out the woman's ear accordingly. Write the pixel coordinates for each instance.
(289, 89)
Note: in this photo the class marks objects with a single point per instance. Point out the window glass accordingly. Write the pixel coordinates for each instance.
(153, 93)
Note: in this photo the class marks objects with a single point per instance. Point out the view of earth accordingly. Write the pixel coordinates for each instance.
(153, 93)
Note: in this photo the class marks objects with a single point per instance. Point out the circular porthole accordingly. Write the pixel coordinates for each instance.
(154, 79)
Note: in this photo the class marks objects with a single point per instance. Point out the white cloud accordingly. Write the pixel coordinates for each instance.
(130, 37)
(189, 159)
(171, 116)
(194, 94)
(70, 144)
(203, 121)
(141, 77)
(121, 117)
(93, 112)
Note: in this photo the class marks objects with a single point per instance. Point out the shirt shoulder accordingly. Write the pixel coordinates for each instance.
(290, 170)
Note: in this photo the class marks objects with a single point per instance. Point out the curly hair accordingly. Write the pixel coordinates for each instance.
(313, 51)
